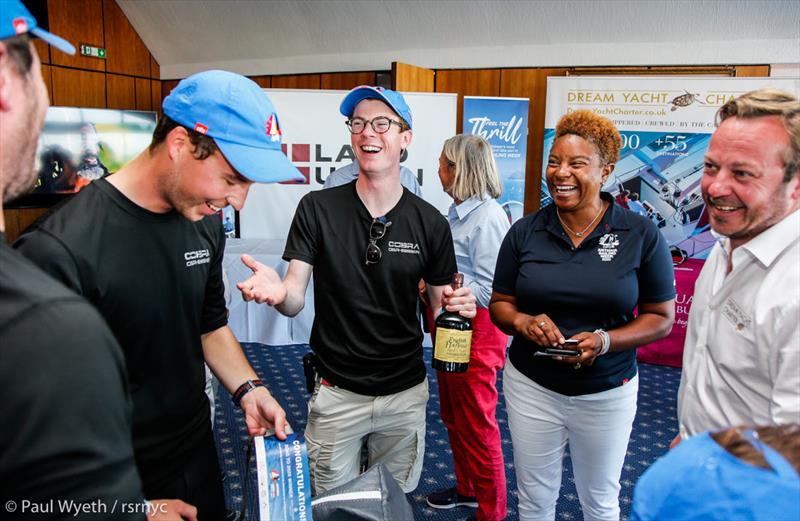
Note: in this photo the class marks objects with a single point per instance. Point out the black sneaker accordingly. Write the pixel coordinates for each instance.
(450, 498)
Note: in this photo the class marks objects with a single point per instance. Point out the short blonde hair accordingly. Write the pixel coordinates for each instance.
(770, 102)
(476, 170)
(595, 129)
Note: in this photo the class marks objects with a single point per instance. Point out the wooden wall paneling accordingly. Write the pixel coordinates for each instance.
(155, 68)
(42, 49)
(654, 70)
(468, 82)
(297, 81)
(264, 82)
(155, 95)
(77, 21)
(143, 95)
(346, 80)
(74, 88)
(532, 84)
(752, 70)
(47, 76)
(125, 51)
(18, 220)
(120, 92)
(166, 88)
(12, 225)
(409, 78)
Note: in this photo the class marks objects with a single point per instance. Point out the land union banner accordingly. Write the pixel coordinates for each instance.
(666, 124)
(504, 123)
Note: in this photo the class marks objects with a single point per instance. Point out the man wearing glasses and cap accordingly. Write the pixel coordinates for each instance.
(368, 244)
(145, 247)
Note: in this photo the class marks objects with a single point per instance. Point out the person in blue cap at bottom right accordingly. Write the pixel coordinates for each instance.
(741, 473)
(368, 244)
(145, 247)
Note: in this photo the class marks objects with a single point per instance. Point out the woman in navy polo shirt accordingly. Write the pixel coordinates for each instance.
(578, 269)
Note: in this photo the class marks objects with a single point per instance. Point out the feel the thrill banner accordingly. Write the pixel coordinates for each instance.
(665, 124)
(504, 124)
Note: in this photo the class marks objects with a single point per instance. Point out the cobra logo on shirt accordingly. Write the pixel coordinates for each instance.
(196, 257)
(404, 247)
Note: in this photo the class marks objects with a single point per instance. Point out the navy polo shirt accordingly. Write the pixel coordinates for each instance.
(624, 261)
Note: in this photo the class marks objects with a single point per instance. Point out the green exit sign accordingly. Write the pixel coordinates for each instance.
(94, 52)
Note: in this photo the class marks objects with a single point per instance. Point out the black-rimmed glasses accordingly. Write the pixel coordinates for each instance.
(376, 232)
(381, 124)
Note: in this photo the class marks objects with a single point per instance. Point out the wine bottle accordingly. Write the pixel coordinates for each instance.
(453, 338)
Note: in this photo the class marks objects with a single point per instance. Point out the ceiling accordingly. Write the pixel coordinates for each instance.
(277, 36)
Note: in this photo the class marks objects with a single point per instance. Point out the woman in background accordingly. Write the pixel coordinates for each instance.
(468, 174)
(587, 270)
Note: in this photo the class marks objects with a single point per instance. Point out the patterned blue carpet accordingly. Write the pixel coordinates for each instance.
(281, 368)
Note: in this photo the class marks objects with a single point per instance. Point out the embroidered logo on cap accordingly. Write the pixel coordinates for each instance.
(199, 127)
(273, 130)
(20, 25)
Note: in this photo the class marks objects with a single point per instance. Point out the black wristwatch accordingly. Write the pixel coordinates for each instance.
(245, 388)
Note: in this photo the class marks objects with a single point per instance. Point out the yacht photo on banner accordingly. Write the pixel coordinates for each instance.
(666, 124)
(503, 122)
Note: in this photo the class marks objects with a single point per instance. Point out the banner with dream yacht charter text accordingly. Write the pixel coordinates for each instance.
(665, 124)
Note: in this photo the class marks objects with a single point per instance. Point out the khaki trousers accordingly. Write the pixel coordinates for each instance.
(340, 422)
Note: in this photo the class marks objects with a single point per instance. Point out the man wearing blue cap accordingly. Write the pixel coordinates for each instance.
(65, 445)
(145, 247)
(368, 244)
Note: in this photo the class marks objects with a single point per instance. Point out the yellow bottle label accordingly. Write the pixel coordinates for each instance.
(452, 345)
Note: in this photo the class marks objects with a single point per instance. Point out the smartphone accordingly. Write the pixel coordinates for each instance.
(556, 351)
(562, 350)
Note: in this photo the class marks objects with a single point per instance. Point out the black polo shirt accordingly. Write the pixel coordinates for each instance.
(623, 262)
(366, 331)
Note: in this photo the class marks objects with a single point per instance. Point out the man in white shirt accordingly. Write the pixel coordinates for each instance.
(741, 361)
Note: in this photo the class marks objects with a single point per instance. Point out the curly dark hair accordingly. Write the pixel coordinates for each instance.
(204, 146)
(595, 129)
(783, 438)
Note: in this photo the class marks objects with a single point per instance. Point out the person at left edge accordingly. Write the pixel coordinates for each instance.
(145, 247)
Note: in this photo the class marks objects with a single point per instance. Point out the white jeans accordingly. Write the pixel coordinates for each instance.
(340, 422)
(597, 426)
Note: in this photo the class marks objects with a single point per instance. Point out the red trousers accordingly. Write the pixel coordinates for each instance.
(469, 401)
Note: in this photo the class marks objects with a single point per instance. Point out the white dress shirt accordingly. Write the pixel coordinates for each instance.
(741, 359)
(478, 227)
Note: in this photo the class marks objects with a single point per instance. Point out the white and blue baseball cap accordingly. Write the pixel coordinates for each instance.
(15, 19)
(394, 99)
(238, 115)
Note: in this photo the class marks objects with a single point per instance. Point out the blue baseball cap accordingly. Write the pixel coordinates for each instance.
(700, 481)
(238, 115)
(15, 19)
(393, 99)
